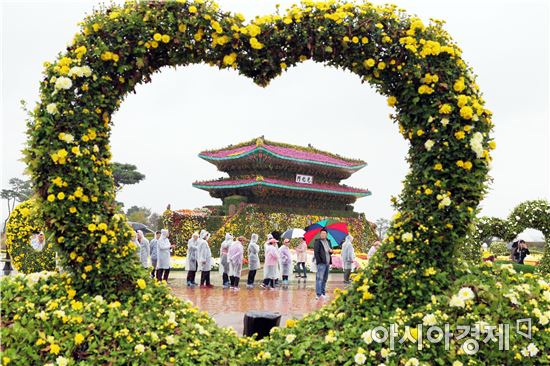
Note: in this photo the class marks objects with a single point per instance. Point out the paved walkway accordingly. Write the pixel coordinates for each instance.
(228, 307)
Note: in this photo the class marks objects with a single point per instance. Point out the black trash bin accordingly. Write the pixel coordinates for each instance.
(260, 322)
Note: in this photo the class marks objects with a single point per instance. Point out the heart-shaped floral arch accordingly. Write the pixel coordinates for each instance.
(438, 108)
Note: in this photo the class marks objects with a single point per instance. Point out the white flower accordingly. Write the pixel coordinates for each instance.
(170, 339)
(445, 121)
(546, 296)
(67, 137)
(543, 320)
(458, 363)
(63, 83)
(80, 71)
(139, 348)
(412, 362)
(456, 302)
(360, 358)
(384, 352)
(51, 108)
(530, 351)
(329, 338)
(406, 237)
(476, 144)
(446, 201)
(466, 293)
(290, 338)
(61, 361)
(429, 319)
(367, 336)
(429, 144)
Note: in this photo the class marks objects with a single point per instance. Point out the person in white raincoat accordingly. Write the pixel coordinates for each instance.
(235, 258)
(191, 263)
(348, 257)
(143, 249)
(153, 252)
(266, 245)
(224, 263)
(285, 260)
(253, 260)
(205, 260)
(271, 262)
(163, 255)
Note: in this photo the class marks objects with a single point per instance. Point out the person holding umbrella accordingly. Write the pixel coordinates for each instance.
(322, 254)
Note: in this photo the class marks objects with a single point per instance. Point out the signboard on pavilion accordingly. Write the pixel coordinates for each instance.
(307, 179)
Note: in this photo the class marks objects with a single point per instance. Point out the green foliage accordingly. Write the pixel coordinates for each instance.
(527, 215)
(24, 222)
(126, 174)
(439, 110)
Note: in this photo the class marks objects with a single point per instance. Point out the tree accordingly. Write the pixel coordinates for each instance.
(138, 214)
(155, 221)
(125, 174)
(382, 226)
(20, 191)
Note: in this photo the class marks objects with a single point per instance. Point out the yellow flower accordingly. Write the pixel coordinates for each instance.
(428, 191)
(369, 63)
(364, 40)
(290, 323)
(92, 227)
(381, 65)
(230, 59)
(438, 166)
(468, 165)
(157, 37)
(141, 283)
(445, 109)
(459, 85)
(51, 198)
(420, 132)
(390, 255)
(460, 135)
(165, 38)
(345, 39)
(466, 112)
(425, 89)
(60, 195)
(76, 305)
(460, 163)
(88, 268)
(256, 44)
(182, 27)
(193, 9)
(355, 40)
(78, 338)
(54, 349)
(493, 145)
(392, 100)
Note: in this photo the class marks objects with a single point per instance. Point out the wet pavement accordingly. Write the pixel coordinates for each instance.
(228, 307)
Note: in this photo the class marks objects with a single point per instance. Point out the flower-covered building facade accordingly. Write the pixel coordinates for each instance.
(283, 176)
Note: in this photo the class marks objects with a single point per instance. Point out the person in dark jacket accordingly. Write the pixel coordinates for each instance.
(322, 256)
(522, 252)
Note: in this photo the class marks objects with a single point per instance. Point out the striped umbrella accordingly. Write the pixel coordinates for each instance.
(336, 232)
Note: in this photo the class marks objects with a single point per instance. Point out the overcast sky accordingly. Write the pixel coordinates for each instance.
(163, 127)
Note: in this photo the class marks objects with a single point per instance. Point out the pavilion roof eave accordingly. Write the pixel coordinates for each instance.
(211, 186)
(213, 159)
